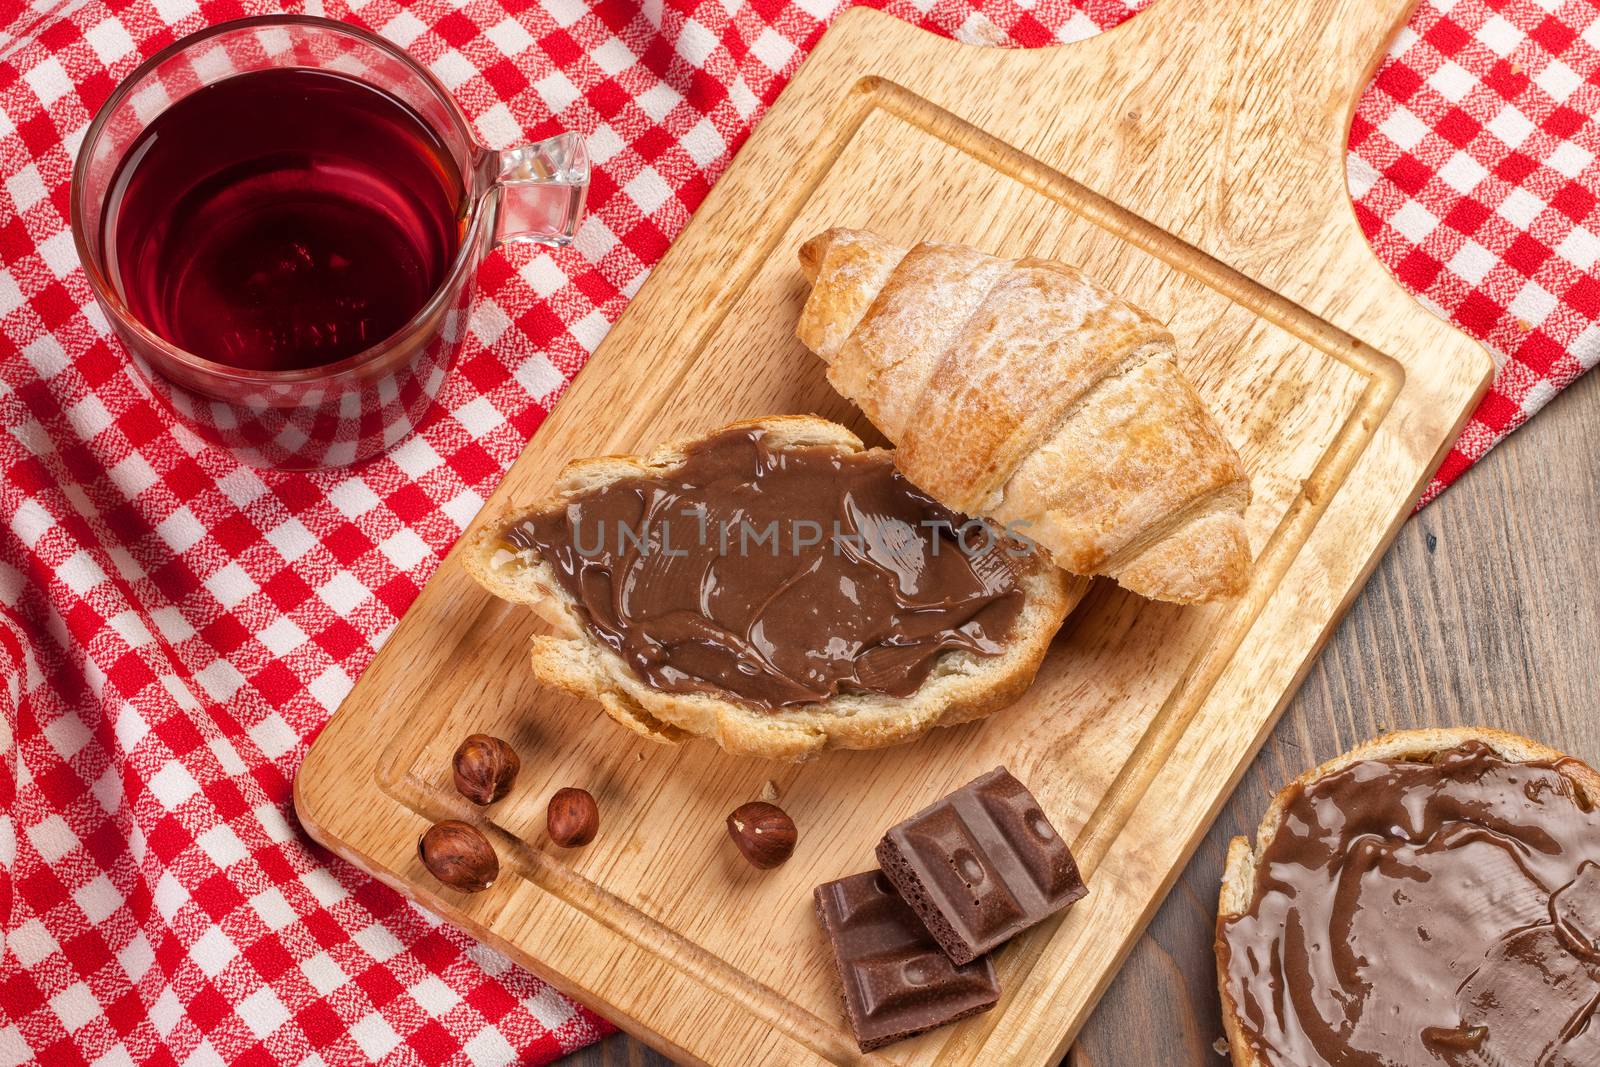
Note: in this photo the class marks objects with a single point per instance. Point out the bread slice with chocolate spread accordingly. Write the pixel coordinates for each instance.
(642, 679)
(1450, 1040)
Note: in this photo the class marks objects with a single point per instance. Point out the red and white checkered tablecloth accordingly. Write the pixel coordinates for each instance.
(175, 628)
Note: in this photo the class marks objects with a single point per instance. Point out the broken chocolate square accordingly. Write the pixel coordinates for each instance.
(895, 979)
(981, 865)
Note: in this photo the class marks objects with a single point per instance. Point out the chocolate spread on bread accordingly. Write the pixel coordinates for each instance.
(1424, 913)
(778, 576)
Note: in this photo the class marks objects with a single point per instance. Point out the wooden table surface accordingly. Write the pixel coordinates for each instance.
(1483, 612)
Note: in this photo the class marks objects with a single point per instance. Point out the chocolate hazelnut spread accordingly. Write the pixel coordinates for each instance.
(778, 576)
(1408, 914)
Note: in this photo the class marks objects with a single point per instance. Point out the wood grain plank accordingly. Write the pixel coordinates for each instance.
(618, 1050)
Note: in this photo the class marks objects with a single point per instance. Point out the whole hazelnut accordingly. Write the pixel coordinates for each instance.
(573, 817)
(763, 832)
(484, 768)
(459, 855)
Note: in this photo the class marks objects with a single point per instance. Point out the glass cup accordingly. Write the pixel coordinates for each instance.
(356, 408)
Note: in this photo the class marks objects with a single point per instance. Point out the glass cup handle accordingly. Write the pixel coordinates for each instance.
(539, 190)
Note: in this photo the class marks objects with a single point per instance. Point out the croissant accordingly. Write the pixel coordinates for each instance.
(1025, 392)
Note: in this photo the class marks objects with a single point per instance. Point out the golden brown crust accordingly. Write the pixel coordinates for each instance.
(1239, 872)
(1038, 342)
(962, 686)
(888, 360)
(856, 265)
(1027, 392)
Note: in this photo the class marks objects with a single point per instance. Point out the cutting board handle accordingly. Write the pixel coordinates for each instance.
(1324, 52)
(1317, 55)
(1224, 122)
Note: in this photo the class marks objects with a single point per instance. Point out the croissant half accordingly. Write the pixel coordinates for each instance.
(1024, 391)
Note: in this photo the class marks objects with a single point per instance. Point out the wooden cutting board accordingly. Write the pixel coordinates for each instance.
(1194, 160)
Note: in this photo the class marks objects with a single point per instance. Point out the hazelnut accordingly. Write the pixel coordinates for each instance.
(484, 768)
(763, 832)
(459, 855)
(573, 817)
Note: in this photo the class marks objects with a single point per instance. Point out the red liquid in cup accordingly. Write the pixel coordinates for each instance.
(282, 219)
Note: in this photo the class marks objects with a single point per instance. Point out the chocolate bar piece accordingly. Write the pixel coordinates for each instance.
(896, 981)
(981, 865)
